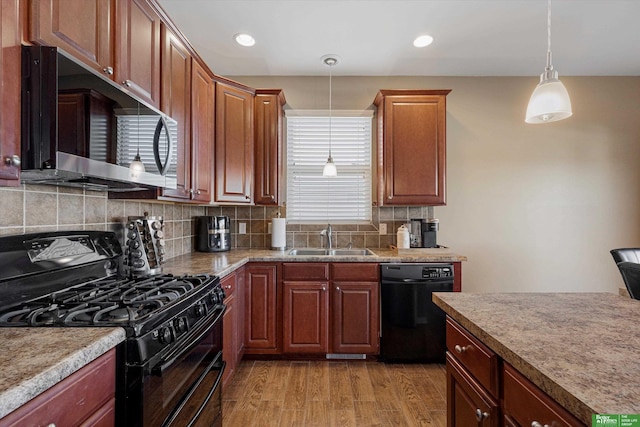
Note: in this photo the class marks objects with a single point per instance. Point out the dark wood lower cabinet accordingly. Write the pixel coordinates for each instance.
(262, 307)
(355, 313)
(468, 404)
(306, 310)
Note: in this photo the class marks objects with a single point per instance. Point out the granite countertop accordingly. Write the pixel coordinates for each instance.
(582, 349)
(223, 263)
(35, 359)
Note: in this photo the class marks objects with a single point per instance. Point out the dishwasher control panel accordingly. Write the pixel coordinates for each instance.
(437, 272)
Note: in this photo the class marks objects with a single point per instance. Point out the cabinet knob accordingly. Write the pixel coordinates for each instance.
(324, 288)
(51, 425)
(247, 197)
(481, 415)
(273, 197)
(108, 70)
(12, 160)
(337, 288)
(389, 197)
(460, 348)
(227, 287)
(537, 424)
(198, 192)
(127, 83)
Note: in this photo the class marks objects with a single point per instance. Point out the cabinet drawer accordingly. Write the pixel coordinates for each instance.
(228, 284)
(305, 271)
(525, 403)
(360, 272)
(86, 393)
(477, 358)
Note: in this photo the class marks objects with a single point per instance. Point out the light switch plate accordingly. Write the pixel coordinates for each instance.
(383, 228)
(242, 228)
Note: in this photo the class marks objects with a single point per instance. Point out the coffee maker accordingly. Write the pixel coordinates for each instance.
(423, 233)
(213, 233)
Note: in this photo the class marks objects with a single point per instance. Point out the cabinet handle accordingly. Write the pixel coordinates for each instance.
(481, 415)
(108, 70)
(461, 349)
(12, 160)
(537, 424)
(127, 83)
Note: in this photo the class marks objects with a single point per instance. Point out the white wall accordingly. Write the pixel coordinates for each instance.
(533, 207)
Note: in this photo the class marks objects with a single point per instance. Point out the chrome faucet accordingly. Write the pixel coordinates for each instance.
(328, 233)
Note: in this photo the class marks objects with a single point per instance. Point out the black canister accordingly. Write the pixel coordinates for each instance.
(213, 233)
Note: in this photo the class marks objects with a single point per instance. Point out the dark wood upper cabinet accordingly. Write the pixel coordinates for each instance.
(234, 143)
(268, 118)
(412, 143)
(137, 42)
(176, 102)
(82, 28)
(11, 17)
(202, 135)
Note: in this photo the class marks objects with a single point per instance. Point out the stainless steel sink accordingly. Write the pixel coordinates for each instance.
(330, 252)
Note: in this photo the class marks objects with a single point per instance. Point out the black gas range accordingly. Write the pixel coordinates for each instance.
(170, 365)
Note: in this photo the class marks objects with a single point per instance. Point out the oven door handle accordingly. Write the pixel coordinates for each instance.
(173, 357)
(217, 365)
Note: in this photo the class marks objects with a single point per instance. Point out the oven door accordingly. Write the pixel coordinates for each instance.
(184, 387)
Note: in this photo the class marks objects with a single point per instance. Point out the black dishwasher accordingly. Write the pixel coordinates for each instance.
(413, 327)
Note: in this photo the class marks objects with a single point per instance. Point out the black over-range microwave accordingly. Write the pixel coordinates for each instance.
(80, 129)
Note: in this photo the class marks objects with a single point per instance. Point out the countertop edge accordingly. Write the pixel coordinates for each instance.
(14, 397)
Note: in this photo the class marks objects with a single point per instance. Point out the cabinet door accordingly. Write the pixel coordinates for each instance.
(468, 404)
(234, 144)
(268, 145)
(138, 49)
(412, 140)
(229, 326)
(10, 73)
(82, 28)
(176, 102)
(202, 108)
(240, 314)
(261, 309)
(356, 317)
(306, 307)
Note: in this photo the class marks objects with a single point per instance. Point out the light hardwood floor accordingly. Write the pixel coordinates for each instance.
(335, 393)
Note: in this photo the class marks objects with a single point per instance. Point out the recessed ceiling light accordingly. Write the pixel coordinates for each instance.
(422, 41)
(244, 39)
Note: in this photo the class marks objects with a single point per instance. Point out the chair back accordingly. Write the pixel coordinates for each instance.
(626, 255)
(631, 275)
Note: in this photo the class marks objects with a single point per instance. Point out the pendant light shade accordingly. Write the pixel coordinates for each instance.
(549, 101)
(330, 167)
(136, 167)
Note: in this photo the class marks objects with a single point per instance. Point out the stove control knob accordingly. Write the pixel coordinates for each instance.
(134, 244)
(136, 253)
(164, 335)
(180, 324)
(137, 263)
(200, 310)
(132, 234)
(131, 226)
(159, 234)
(160, 242)
(156, 225)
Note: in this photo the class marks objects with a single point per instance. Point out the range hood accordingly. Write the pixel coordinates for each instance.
(72, 135)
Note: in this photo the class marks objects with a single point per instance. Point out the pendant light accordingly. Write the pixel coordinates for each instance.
(330, 167)
(549, 101)
(136, 167)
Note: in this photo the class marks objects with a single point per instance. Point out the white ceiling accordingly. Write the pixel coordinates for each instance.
(374, 37)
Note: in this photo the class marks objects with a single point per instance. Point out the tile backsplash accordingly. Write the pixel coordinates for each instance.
(38, 208)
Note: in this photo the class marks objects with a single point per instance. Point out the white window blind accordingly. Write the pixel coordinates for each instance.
(312, 198)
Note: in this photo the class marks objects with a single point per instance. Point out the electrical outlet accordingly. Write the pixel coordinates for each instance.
(383, 228)
(242, 228)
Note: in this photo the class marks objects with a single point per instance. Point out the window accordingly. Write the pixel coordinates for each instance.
(312, 198)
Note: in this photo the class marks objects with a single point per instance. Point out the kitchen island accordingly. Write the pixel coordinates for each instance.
(36, 359)
(581, 349)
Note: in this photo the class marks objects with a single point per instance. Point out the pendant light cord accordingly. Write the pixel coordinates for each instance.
(549, 66)
(330, 116)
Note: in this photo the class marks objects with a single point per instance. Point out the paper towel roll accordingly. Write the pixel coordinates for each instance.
(278, 233)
